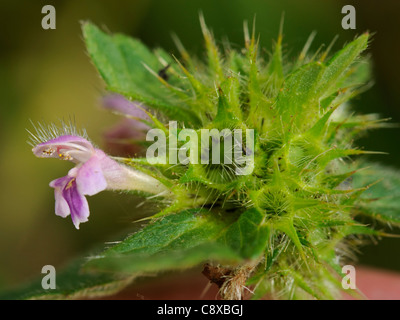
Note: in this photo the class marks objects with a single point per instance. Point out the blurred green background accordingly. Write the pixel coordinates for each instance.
(45, 75)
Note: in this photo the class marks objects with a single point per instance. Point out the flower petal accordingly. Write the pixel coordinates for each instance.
(123, 138)
(67, 147)
(61, 207)
(120, 104)
(77, 203)
(89, 177)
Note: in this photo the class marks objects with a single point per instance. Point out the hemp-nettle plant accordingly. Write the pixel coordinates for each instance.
(281, 230)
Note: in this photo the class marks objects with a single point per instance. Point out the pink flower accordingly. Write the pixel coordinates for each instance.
(93, 173)
(123, 139)
(134, 110)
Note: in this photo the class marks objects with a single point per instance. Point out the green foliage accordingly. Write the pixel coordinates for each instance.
(380, 200)
(72, 283)
(188, 237)
(123, 63)
(288, 222)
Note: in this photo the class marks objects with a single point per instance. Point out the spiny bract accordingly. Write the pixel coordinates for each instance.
(283, 231)
(289, 218)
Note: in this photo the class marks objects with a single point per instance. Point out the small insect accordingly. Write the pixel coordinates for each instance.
(163, 73)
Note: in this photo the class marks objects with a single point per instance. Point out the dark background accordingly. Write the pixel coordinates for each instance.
(46, 75)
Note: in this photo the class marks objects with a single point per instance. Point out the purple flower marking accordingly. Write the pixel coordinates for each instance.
(69, 200)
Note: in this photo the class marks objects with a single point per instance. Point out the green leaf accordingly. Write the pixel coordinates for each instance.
(177, 231)
(249, 235)
(287, 227)
(177, 241)
(359, 230)
(339, 63)
(275, 67)
(132, 263)
(120, 60)
(186, 239)
(298, 93)
(302, 90)
(214, 57)
(123, 63)
(226, 116)
(71, 283)
(381, 200)
(358, 74)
